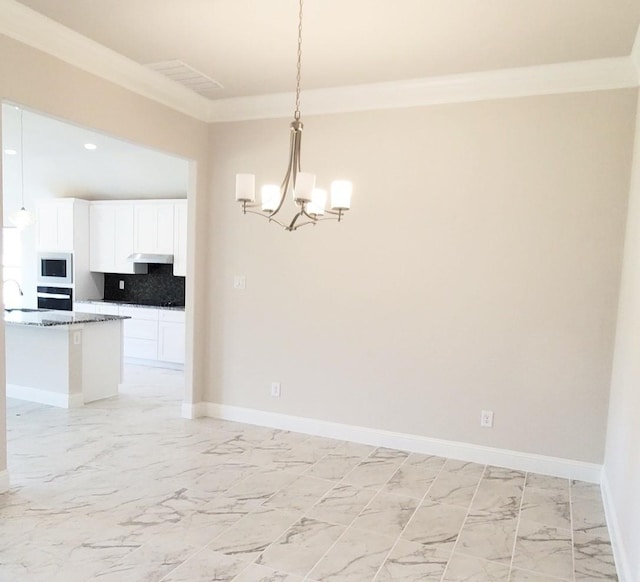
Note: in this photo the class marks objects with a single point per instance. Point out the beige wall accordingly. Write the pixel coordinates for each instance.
(622, 461)
(48, 85)
(479, 269)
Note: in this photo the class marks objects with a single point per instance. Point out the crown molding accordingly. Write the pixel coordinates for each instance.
(576, 77)
(27, 26)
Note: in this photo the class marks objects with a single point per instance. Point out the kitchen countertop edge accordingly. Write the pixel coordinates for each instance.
(44, 319)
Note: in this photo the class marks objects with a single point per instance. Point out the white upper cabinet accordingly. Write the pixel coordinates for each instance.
(111, 238)
(180, 238)
(153, 227)
(55, 224)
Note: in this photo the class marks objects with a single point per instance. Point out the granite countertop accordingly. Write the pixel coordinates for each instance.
(132, 304)
(50, 318)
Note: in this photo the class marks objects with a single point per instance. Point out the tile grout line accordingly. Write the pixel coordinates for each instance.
(573, 546)
(515, 537)
(412, 516)
(464, 521)
(346, 529)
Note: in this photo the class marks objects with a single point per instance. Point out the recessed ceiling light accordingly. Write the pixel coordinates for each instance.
(10, 152)
(90, 146)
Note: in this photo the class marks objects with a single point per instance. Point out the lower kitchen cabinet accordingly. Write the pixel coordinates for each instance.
(153, 336)
(140, 332)
(171, 342)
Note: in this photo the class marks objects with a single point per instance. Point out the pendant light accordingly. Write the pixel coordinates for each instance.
(21, 218)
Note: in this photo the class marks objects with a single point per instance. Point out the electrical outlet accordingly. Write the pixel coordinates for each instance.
(275, 389)
(121, 284)
(240, 282)
(486, 419)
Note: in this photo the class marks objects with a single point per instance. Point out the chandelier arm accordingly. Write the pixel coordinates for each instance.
(339, 214)
(268, 217)
(287, 177)
(293, 226)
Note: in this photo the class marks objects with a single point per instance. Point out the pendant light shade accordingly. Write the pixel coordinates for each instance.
(21, 218)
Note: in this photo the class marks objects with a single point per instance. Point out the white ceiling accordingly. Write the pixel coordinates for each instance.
(249, 45)
(57, 164)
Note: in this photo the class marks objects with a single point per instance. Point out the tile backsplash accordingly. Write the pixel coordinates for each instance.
(158, 286)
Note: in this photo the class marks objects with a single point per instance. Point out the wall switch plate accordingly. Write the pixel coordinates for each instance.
(486, 419)
(121, 284)
(275, 389)
(240, 282)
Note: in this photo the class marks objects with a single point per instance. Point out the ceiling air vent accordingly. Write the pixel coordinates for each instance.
(186, 75)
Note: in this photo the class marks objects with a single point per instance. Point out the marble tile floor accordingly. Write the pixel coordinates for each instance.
(125, 490)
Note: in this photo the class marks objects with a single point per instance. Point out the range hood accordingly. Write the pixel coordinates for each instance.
(151, 258)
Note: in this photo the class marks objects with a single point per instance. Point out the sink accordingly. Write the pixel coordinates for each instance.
(23, 309)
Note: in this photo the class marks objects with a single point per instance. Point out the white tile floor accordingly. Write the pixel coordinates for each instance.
(125, 490)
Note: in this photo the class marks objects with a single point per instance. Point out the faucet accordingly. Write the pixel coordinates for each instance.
(16, 283)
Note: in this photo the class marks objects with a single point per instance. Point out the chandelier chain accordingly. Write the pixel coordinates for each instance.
(297, 112)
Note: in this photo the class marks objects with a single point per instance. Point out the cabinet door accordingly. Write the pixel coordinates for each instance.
(55, 226)
(180, 239)
(145, 228)
(164, 243)
(123, 234)
(47, 227)
(153, 228)
(171, 342)
(65, 212)
(102, 221)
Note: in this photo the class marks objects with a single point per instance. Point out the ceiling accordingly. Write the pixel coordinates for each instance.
(249, 46)
(57, 164)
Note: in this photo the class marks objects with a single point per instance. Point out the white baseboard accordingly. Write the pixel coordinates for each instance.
(197, 410)
(545, 465)
(153, 363)
(4, 481)
(40, 396)
(620, 553)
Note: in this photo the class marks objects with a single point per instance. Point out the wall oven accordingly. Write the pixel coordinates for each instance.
(60, 298)
(55, 268)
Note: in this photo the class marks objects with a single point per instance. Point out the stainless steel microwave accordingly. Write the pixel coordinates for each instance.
(55, 268)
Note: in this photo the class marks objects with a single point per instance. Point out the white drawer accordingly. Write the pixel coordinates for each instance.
(107, 309)
(140, 348)
(139, 312)
(84, 307)
(171, 315)
(140, 329)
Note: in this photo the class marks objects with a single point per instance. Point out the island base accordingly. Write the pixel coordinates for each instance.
(66, 366)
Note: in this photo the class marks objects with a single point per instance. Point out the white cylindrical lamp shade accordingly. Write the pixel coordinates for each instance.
(245, 187)
(22, 218)
(305, 183)
(318, 202)
(270, 197)
(341, 195)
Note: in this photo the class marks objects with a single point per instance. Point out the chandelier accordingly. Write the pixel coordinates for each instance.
(310, 202)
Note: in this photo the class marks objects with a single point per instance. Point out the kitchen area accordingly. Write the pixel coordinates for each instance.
(97, 280)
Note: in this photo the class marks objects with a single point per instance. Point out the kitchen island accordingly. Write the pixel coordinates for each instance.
(62, 358)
